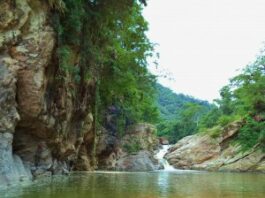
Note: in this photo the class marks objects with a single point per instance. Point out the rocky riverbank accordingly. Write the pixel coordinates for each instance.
(221, 153)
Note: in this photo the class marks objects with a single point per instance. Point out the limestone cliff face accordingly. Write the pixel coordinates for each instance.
(220, 153)
(41, 121)
(47, 123)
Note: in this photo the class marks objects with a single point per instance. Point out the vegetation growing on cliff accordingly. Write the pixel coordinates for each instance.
(109, 39)
(243, 98)
(104, 43)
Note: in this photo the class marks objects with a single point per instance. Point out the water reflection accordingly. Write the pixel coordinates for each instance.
(176, 184)
(163, 183)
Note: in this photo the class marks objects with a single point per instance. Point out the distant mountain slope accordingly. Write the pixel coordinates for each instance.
(179, 114)
(171, 104)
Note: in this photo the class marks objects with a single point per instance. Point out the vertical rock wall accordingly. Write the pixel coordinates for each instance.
(47, 123)
(41, 121)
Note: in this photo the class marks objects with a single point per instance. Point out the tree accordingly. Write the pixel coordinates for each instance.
(210, 119)
(109, 39)
(226, 102)
(243, 98)
(180, 114)
(250, 88)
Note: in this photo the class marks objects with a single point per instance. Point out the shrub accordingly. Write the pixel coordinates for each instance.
(133, 146)
(214, 132)
(251, 134)
(226, 119)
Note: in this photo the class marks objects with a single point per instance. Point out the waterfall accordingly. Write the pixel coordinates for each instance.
(160, 156)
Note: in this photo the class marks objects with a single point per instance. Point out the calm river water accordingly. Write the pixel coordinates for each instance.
(175, 184)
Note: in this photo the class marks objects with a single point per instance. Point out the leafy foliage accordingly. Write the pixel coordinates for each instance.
(171, 104)
(243, 98)
(251, 134)
(133, 146)
(180, 114)
(225, 119)
(250, 89)
(105, 42)
(214, 132)
(210, 119)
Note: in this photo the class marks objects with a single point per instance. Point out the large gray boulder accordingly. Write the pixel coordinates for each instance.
(142, 161)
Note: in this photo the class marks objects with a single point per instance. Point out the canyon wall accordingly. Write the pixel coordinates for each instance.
(42, 121)
(47, 120)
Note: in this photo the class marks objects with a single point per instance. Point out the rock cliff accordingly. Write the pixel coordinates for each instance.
(47, 121)
(44, 128)
(221, 153)
(134, 152)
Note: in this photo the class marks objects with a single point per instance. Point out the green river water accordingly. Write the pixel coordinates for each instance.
(176, 184)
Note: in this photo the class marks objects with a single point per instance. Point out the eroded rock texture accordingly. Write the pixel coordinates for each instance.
(47, 124)
(41, 121)
(216, 154)
(134, 152)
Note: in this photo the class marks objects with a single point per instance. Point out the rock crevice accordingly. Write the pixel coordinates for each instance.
(39, 120)
(47, 120)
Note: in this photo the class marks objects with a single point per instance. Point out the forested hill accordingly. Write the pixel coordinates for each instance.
(179, 113)
(242, 101)
(171, 104)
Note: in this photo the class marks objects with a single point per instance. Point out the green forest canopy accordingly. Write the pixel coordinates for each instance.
(179, 113)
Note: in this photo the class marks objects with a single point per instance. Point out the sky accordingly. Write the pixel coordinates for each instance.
(204, 43)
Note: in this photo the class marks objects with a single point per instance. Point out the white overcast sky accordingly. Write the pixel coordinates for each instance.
(203, 42)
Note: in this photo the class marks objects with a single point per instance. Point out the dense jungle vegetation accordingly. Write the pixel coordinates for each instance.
(114, 48)
(110, 36)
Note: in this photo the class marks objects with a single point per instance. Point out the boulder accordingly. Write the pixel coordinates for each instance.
(133, 152)
(142, 135)
(142, 161)
(192, 150)
(163, 141)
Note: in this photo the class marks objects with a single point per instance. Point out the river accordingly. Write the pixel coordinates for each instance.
(159, 184)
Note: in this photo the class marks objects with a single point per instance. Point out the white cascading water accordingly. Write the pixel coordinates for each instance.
(160, 156)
